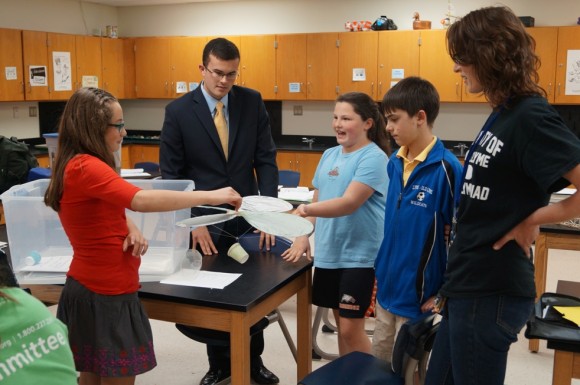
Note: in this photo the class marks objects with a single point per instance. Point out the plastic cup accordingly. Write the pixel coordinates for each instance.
(237, 252)
(32, 259)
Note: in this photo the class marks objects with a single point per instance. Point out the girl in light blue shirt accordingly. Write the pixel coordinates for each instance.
(348, 210)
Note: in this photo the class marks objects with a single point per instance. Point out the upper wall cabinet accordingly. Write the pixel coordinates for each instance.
(186, 56)
(50, 64)
(436, 65)
(153, 67)
(113, 67)
(35, 55)
(322, 66)
(258, 64)
(357, 62)
(546, 47)
(398, 58)
(167, 67)
(291, 67)
(89, 61)
(12, 81)
(129, 81)
(568, 66)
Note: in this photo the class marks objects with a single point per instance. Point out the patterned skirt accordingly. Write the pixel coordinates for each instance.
(110, 335)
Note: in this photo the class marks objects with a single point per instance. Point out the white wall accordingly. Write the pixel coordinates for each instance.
(456, 121)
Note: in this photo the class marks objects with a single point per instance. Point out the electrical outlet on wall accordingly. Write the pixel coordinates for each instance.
(297, 110)
(32, 111)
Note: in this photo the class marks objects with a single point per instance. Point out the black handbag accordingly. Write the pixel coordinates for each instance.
(548, 324)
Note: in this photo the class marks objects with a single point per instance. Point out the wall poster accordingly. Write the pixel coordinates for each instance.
(37, 76)
(62, 71)
(573, 73)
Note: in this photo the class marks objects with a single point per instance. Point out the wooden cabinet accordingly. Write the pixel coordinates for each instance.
(291, 67)
(160, 63)
(258, 64)
(35, 53)
(186, 56)
(126, 157)
(322, 66)
(88, 55)
(546, 48)
(398, 55)
(152, 67)
(129, 69)
(142, 153)
(12, 80)
(436, 65)
(39, 50)
(305, 162)
(357, 62)
(113, 67)
(568, 66)
(43, 160)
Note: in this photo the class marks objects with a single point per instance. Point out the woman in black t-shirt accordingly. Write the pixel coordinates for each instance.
(523, 153)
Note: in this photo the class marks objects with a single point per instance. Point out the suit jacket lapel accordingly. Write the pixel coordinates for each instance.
(201, 110)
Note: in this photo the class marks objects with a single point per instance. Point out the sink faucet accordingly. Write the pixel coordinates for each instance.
(461, 147)
(309, 141)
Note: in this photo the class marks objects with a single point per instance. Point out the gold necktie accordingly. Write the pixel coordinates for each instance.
(221, 126)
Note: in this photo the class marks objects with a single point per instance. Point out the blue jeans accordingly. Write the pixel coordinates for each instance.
(474, 338)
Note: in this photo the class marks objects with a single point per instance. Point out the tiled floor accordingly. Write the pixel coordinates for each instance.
(183, 362)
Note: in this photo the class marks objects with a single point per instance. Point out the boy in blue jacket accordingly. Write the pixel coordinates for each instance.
(424, 178)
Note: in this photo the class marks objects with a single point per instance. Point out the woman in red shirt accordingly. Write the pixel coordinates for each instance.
(109, 332)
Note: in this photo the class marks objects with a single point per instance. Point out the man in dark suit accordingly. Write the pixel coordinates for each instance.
(197, 144)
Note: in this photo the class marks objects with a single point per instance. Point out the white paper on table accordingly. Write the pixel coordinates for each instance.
(296, 194)
(56, 264)
(201, 278)
(125, 172)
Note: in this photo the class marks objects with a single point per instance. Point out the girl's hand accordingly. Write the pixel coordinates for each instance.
(301, 211)
(226, 195)
(300, 246)
(136, 240)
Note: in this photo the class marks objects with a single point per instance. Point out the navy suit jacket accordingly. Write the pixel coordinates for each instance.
(191, 149)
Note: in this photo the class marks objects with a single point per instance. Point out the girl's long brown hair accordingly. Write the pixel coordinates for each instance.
(82, 128)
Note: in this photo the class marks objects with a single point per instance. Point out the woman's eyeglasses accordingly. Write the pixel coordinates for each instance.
(118, 126)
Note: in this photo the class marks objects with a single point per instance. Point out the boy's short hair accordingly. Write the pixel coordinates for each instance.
(411, 95)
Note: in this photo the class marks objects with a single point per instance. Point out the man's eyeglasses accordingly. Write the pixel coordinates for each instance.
(220, 75)
(118, 126)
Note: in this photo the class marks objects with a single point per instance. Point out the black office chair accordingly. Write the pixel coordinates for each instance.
(148, 166)
(410, 356)
(288, 178)
(249, 242)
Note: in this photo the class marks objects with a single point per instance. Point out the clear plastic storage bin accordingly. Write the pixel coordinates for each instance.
(40, 250)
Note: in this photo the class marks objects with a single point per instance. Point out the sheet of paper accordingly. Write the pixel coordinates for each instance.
(571, 313)
(301, 194)
(56, 264)
(125, 172)
(201, 278)
(566, 191)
